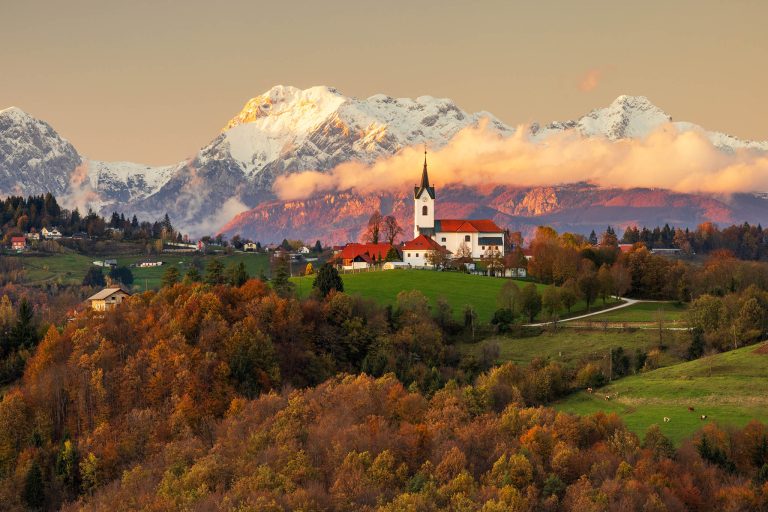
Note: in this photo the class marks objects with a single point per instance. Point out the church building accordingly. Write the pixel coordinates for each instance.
(480, 236)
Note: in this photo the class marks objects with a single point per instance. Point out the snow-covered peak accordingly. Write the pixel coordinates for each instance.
(625, 117)
(319, 127)
(14, 113)
(284, 105)
(34, 159)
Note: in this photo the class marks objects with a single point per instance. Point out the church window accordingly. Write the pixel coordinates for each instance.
(483, 247)
(442, 239)
(424, 210)
(466, 238)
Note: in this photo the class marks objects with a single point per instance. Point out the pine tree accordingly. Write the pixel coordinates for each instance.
(238, 275)
(214, 272)
(24, 334)
(94, 277)
(192, 276)
(34, 488)
(170, 277)
(328, 279)
(280, 279)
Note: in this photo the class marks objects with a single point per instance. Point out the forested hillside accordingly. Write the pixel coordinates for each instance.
(187, 399)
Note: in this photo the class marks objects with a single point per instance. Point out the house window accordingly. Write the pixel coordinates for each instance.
(424, 210)
(417, 255)
(466, 238)
(442, 239)
(409, 255)
(483, 247)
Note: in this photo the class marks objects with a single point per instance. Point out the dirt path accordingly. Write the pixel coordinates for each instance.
(626, 303)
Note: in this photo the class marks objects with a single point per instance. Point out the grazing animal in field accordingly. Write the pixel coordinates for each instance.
(703, 416)
(607, 397)
(667, 420)
(589, 390)
(690, 409)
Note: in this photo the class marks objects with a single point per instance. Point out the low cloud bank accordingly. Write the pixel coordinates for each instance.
(679, 161)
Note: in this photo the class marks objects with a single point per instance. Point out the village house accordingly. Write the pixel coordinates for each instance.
(250, 247)
(145, 264)
(418, 252)
(32, 235)
(477, 237)
(108, 298)
(362, 256)
(51, 234)
(18, 243)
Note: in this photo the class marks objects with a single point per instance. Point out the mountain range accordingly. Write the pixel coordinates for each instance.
(228, 184)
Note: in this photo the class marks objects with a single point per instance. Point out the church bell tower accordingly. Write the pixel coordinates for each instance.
(424, 205)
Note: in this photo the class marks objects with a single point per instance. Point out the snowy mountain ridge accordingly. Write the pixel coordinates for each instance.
(282, 131)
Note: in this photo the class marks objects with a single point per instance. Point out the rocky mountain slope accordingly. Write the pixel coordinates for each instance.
(288, 130)
(340, 217)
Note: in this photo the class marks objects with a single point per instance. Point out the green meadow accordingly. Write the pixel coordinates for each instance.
(457, 288)
(574, 346)
(729, 388)
(672, 313)
(70, 268)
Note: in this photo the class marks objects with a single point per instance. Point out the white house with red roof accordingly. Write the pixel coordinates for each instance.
(480, 236)
(360, 256)
(417, 252)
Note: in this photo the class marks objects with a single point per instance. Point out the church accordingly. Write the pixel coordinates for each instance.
(480, 236)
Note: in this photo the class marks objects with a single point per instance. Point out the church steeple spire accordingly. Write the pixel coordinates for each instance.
(425, 186)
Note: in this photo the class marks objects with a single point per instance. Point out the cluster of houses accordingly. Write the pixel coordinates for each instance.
(433, 240)
(20, 243)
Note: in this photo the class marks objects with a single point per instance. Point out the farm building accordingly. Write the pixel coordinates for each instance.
(18, 243)
(418, 252)
(361, 256)
(108, 298)
(51, 234)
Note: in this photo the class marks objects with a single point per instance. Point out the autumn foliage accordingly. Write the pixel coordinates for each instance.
(213, 397)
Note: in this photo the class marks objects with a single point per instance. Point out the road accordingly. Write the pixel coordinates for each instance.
(626, 303)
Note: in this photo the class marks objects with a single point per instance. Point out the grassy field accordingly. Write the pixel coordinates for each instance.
(572, 346)
(647, 312)
(70, 268)
(730, 388)
(457, 288)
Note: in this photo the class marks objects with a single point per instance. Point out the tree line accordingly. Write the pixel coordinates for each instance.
(19, 215)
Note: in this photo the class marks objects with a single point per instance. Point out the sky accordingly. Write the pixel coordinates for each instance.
(153, 81)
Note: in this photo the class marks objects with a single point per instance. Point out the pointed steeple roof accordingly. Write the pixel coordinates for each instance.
(417, 191)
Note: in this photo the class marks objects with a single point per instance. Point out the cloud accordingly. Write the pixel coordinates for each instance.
(590, 80)
(213, 223)
(81, 194)
(680, 161)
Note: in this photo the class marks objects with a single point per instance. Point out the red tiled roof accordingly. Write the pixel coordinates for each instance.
(423, 243)
(468, 226)
(18, 239)
(378, 251)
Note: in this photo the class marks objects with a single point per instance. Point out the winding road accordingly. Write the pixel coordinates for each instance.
(626, 303)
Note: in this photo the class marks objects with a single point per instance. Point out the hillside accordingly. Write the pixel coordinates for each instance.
(730, 388)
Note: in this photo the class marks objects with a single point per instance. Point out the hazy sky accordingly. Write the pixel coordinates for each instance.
(153, 81)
